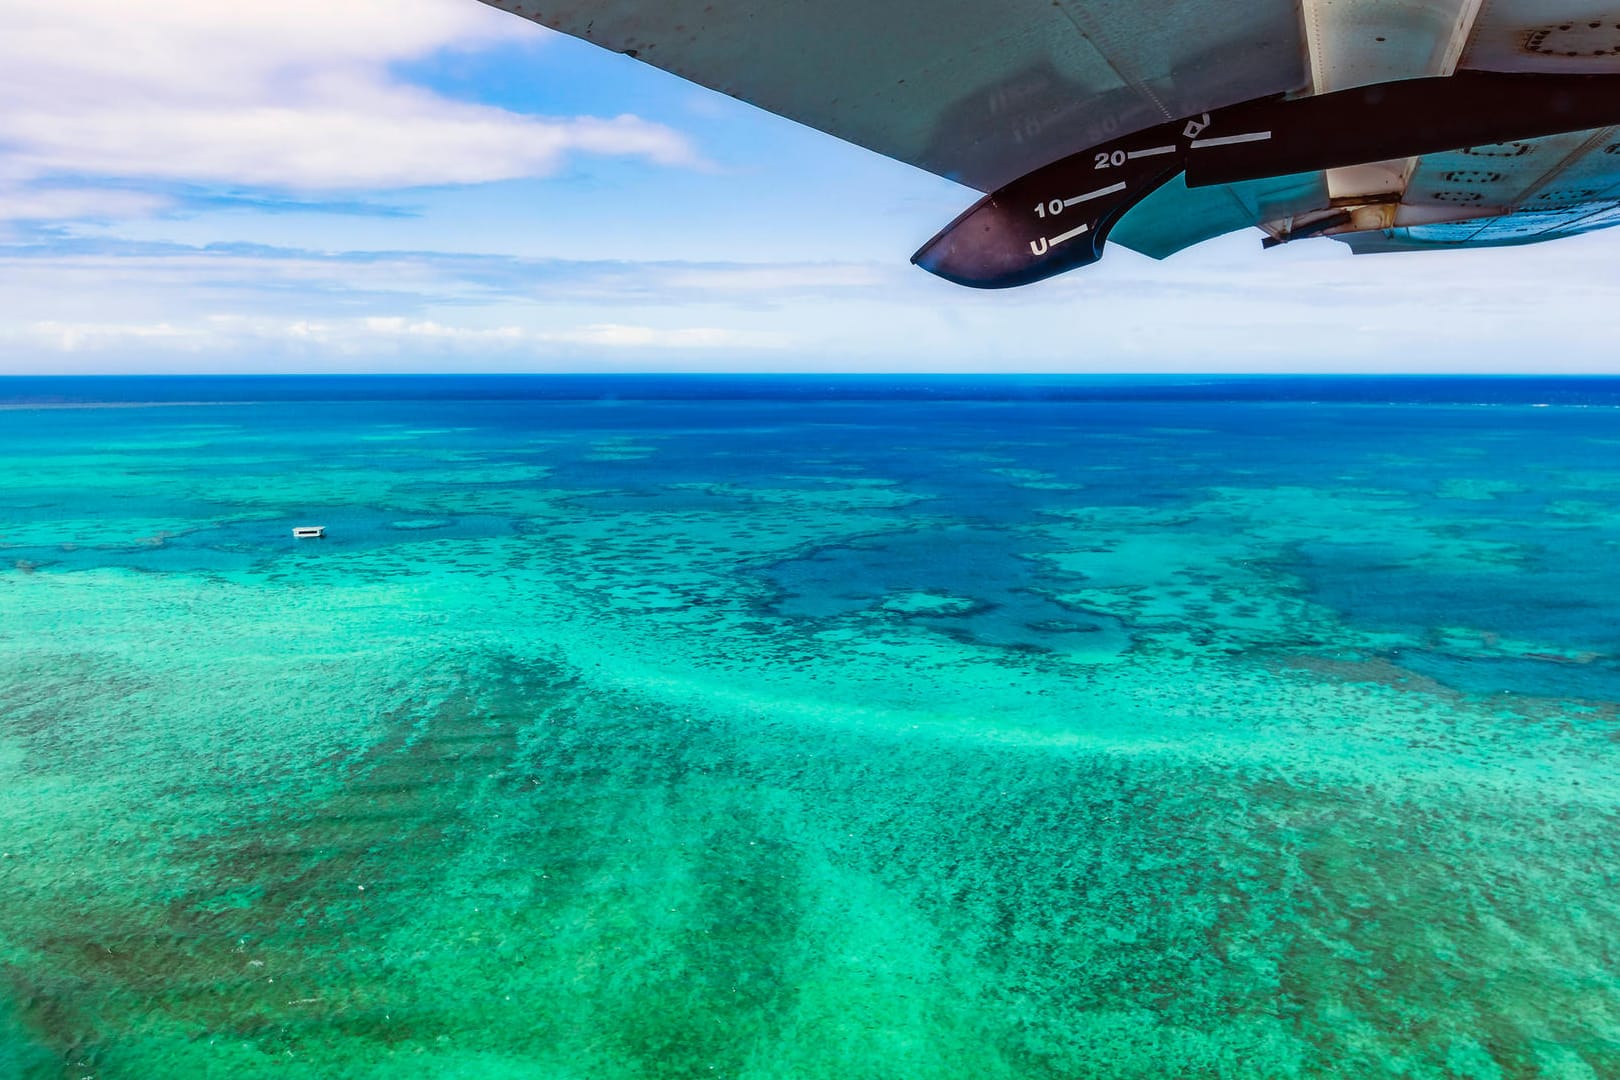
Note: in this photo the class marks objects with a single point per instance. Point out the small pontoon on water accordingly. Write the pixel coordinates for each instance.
(309, 532)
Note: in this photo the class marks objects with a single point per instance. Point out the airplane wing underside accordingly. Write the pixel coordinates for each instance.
(1015, 97)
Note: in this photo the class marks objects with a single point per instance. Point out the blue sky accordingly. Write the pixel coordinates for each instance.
(432, 185)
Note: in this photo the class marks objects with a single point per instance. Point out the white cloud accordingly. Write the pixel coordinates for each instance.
(138, 277)
(296, 95)
(367, 336)
(81, 337)
(395, 326)
(83, 204)
(777, 278)
(96, 305)
(621, 336)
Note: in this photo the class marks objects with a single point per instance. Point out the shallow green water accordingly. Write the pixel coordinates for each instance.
(813, 739)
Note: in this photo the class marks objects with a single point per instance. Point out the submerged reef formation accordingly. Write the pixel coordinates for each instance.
(812, 738)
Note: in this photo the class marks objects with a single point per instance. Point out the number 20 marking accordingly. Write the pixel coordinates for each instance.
(1106, 160)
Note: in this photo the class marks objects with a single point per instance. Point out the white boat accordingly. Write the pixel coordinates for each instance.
(309, 532)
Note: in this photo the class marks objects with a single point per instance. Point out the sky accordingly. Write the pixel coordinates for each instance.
(435, 185)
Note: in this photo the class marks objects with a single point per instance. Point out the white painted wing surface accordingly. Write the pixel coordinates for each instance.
(979, 91)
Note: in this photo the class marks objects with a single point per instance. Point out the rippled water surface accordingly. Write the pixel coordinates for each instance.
(785, 728)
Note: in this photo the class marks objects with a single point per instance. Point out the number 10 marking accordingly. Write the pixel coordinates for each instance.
(1057, 206)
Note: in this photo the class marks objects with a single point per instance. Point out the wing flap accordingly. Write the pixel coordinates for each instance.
(1176, 217)
(1558, 186)
(1512, 230)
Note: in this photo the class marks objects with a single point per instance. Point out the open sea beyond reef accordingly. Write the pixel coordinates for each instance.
(810, 728)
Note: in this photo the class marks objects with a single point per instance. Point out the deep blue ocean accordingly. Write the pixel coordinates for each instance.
(764, 726)
(1594, 391)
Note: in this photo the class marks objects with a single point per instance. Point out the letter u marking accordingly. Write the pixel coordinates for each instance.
(1038, 247)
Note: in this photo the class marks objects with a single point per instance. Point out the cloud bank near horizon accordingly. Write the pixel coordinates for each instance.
(177, 308)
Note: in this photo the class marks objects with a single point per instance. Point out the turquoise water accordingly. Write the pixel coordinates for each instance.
(767, 728)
